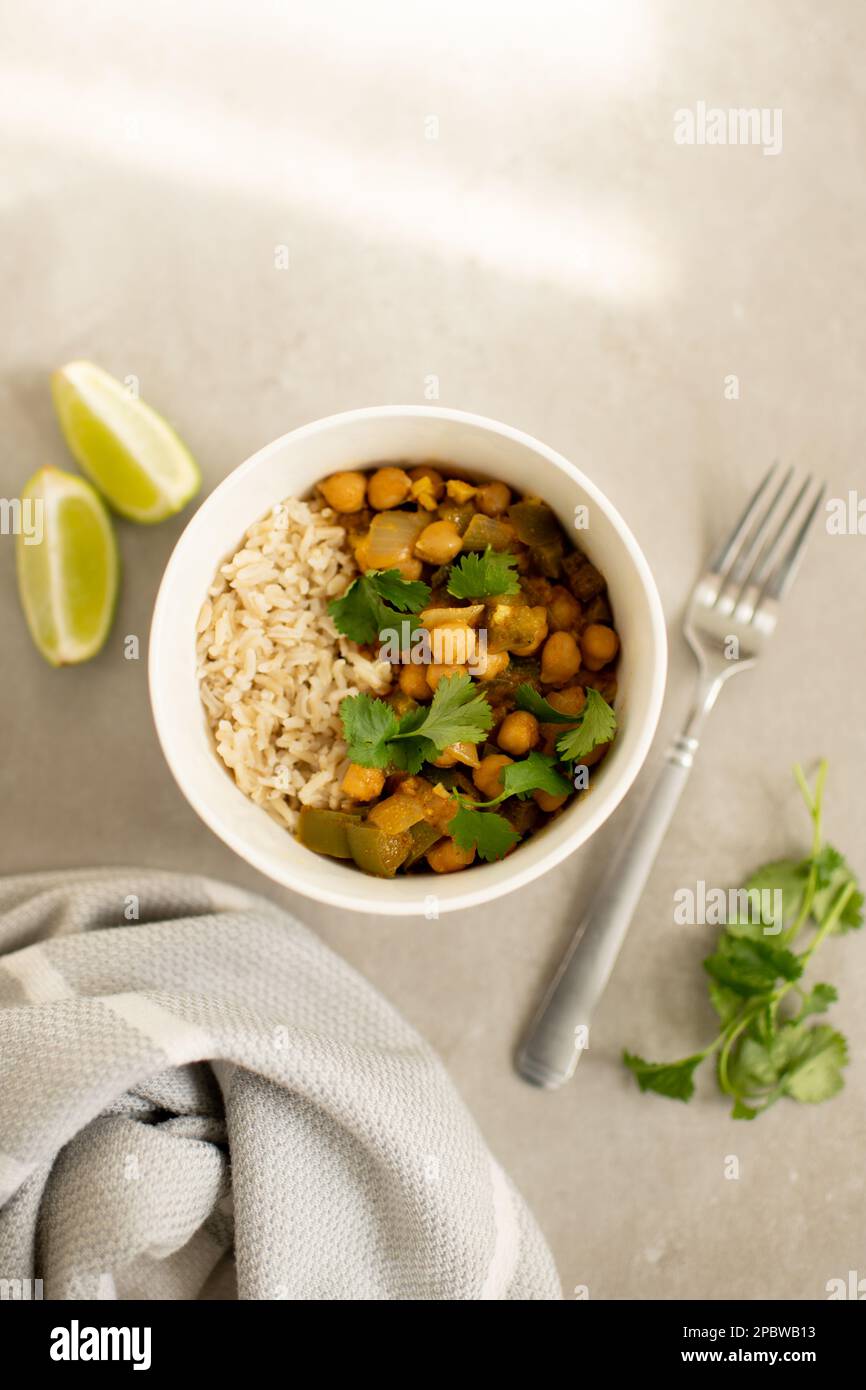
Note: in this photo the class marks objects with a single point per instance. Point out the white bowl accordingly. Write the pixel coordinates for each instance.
(291, 466)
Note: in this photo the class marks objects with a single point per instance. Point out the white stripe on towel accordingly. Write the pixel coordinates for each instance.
(41, 982)
(12, 1174)
(506, 1248)
(180, 1041)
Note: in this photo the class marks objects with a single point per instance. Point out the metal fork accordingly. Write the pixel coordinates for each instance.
(732, 612)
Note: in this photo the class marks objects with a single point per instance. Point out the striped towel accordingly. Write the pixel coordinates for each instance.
(187, 1073)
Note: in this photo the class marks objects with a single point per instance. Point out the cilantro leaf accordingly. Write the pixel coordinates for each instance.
(596, 722)
(409, 750)
(819, 998)
(751, 967)
(791, 877)
(765, 1053)
(804, 1063)
(377, 738)
(753, 1069)
(536, 772)
(410, 755)
(490, 834)
(455, 715)
(483, 576)
(529, 699)
(726, 1002)
(362, 612)
(406, 595)
(672, 1079)
(826, 863)
(368, 724)
(834, 874)
(597, 725)
(787, 876)
(814, 1058)
(358, 614)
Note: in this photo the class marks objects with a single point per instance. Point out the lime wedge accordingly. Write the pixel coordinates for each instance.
(126, 449)
(68, 566)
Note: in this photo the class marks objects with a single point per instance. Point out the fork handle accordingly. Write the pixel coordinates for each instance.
(551, 1050)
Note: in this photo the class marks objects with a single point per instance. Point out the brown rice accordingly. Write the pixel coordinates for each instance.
(272, 667)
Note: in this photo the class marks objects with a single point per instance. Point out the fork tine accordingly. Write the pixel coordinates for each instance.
(783, 576)
(765, 561)
(751, 546)
(723, 559)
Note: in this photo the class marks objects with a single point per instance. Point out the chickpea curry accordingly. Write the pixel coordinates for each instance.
(504, 656)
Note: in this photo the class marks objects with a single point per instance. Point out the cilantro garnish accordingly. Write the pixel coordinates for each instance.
(528, 698)
(368, 725)
(596, 722)
(672, 1079)
(534, 773)
(373, 601)
(766, 1049)
(484, 576)
(597, 725)
(476, 823)
(376, 737)
(490, 835)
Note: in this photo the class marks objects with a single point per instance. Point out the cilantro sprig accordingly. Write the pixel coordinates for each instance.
(534, 773)
(374, 602)
(766, 1048)
(476, 824)
(528, 698)
(484, 575)
(490, 835)
(595, 724)
(377, 737)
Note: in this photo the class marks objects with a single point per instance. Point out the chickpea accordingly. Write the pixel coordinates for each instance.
(560, 659)
(599, 645)
(447, 856)
(563, 610)
(409, 568)
(488, 667)
(437, 673)
(413, 682)
(548, 802)
(453, 644)
(518, 732)
(388, 487)
(571, 700)
(595, 755)
(604, 682)
(493, 499)
(345, 492)
(435, 479)
(487, 774)
(439, 542)
(363, 783)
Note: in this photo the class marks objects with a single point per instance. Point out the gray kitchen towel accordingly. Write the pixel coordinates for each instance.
(186, 1071)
